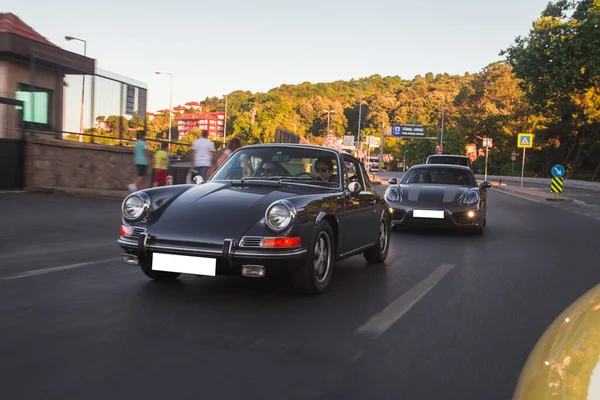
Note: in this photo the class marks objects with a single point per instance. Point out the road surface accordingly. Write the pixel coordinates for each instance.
(76, 323)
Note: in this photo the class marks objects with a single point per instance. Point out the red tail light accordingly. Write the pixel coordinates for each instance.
(282, 242)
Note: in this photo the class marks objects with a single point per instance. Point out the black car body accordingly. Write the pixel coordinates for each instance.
(268, 209)
(438, 196)
(449, 159)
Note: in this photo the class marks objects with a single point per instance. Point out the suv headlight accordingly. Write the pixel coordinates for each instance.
(135, 206)
(471, 197)
(393, 194)
(280, 215)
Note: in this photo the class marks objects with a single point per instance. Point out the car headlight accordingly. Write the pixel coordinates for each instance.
(135, 206)
(279, 215)
(471, 197)
(393, 195)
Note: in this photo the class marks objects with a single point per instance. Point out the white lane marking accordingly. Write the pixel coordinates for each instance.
(56, 269)
(518, 195)
(587, 215)
(382, 321)
(39, 251)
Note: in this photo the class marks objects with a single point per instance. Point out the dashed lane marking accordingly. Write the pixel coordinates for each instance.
(56, 269)
(382, 321)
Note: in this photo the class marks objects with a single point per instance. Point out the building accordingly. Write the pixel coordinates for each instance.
(32, 73)
(213, 122)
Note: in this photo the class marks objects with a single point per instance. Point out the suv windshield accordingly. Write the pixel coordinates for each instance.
(304, 165)
(439, 176)
(452, 160)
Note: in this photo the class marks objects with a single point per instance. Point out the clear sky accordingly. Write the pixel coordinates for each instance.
(215, 47)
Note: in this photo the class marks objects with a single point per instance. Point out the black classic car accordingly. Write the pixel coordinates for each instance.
(439, 196)
(269, 209)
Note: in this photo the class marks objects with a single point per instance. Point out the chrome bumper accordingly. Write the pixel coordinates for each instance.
(228, 253)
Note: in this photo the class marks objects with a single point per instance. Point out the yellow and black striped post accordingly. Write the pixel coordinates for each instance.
(556, 186)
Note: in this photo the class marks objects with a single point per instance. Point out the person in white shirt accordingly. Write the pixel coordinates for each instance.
(203, 151)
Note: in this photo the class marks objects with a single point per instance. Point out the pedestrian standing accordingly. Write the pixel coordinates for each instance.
(161, 165)
(203, 151)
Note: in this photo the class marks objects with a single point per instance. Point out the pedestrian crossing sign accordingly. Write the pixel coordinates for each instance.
(525, 140)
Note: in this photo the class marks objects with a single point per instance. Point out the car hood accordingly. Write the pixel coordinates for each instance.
(427, 193)
(565, 362)
(213, 212)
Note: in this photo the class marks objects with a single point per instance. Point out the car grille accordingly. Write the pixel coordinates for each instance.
(251, 241)
(135, 233)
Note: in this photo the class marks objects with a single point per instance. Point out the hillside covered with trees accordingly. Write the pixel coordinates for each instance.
(548, 83)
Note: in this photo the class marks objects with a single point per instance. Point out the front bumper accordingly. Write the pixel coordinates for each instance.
(230, 256)
(458, 218)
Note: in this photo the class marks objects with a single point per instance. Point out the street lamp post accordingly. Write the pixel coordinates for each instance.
(487, 143)
(170, 102)
(225, 122)
(328, 112)
(362, 85)
(69, 38)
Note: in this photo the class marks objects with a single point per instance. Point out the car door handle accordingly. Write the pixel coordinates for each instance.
(373, 202)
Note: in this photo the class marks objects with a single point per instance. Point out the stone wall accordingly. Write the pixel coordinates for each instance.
(67, 164)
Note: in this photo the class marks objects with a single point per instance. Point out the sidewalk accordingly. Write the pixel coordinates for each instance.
(531, 192)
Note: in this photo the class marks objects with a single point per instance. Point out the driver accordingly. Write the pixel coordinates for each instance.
(269, 169)
(323, 169)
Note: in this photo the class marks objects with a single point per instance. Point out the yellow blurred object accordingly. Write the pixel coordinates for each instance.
(565, 363)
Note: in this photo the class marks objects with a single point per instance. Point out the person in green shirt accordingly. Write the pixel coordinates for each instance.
(161, 165)
(141, 157)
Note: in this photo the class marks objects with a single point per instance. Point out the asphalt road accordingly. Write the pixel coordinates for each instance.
(75, 323)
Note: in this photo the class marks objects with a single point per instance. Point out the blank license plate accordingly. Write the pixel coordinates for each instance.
(428, 214)
(184, 264)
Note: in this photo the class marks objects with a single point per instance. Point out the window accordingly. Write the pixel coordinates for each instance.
(439, 176)
(304, 166)
(36, 108)
(352, 172)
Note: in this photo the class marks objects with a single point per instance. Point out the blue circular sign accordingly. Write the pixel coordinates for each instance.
(558, 171)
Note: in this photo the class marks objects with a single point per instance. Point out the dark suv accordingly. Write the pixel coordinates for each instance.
(449, 159)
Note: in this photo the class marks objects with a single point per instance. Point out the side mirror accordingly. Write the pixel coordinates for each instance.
(485, 185)
(354, 187)
(393, 181)
(198, 179)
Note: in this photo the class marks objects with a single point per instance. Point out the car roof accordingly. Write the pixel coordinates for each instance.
(305, 146)
(447, 155)
(463, 167)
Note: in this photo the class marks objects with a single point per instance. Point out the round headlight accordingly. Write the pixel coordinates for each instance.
(134, 207)
(279, 216)
(392, 194)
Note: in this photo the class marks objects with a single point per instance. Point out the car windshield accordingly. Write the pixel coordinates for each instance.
(439, 176)
(449, 160)
(303, 165)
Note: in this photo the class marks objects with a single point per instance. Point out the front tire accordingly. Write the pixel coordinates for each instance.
(379, 252)
(162, 276)
(314, 275)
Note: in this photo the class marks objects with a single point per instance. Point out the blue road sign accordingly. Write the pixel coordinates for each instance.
(558, 171)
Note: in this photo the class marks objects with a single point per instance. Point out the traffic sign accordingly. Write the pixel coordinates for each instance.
(557, 185)
(525, 140)
(169, 180)
(513, 158)
(514, 153)
(439, 149)
(558, 171)
(487, 142)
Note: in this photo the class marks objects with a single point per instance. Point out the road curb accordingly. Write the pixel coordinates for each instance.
(534, 195)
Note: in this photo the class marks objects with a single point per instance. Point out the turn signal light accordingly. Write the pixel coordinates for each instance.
(126, 230)
(281, 242)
